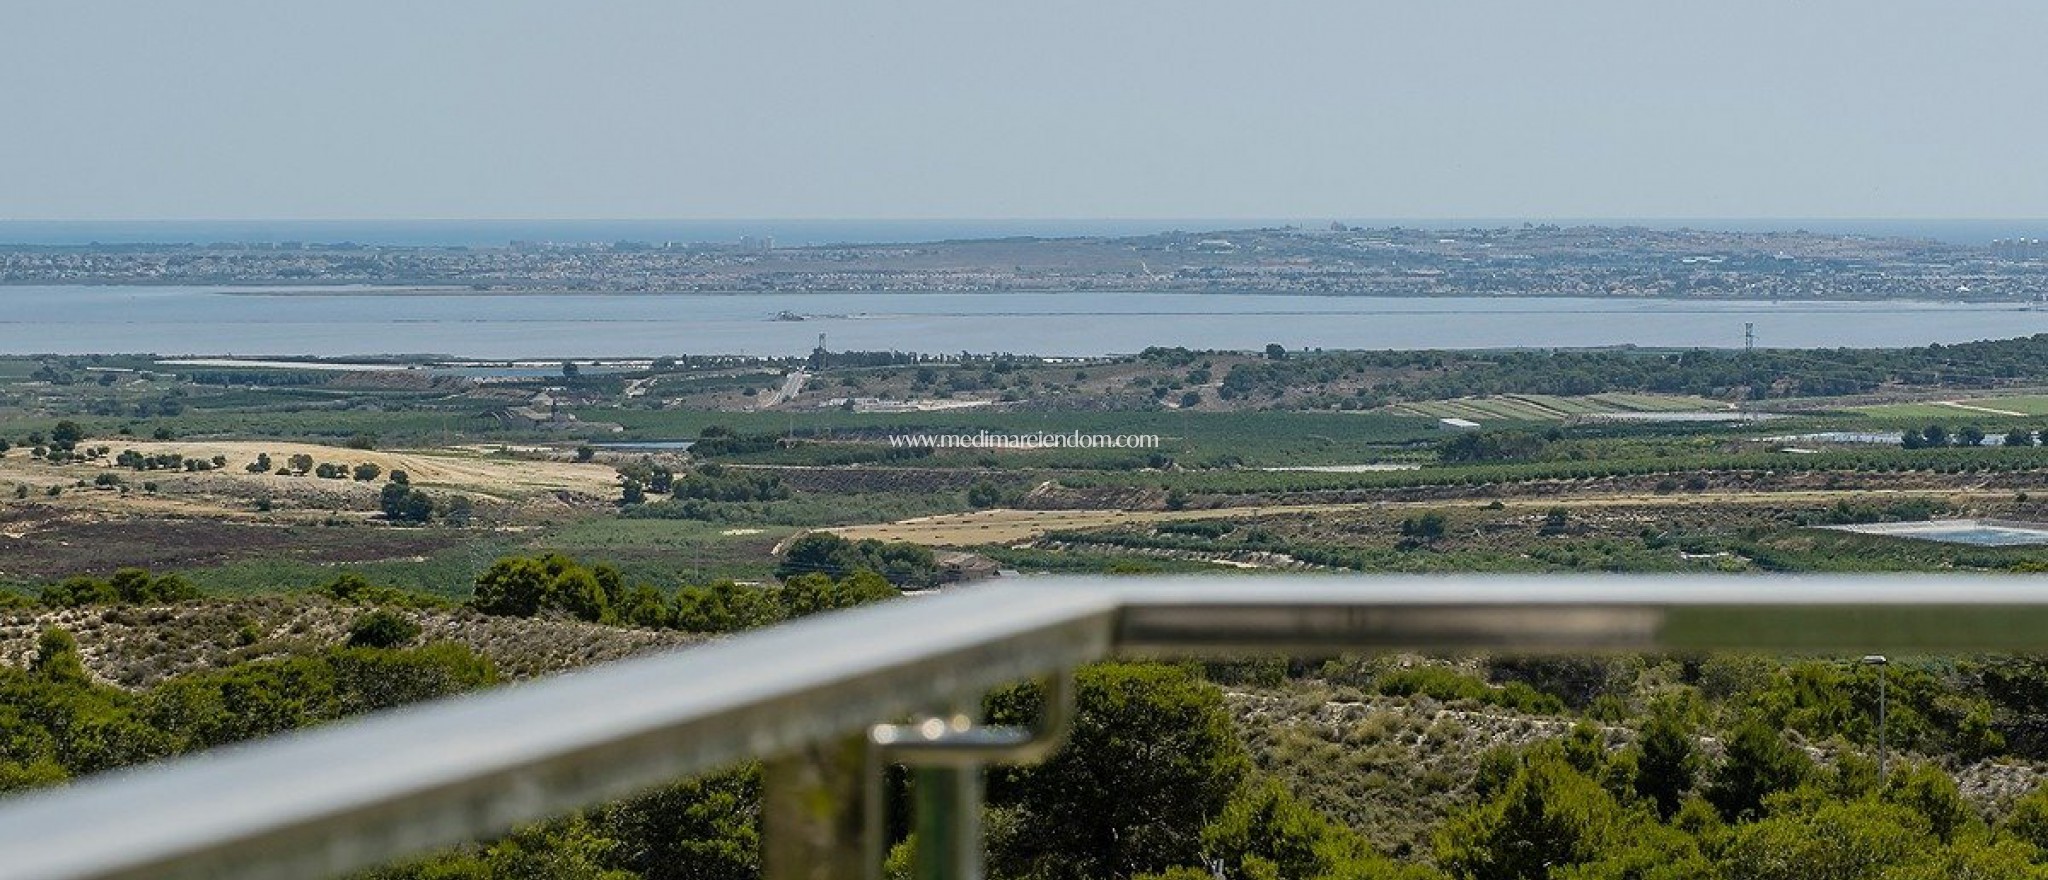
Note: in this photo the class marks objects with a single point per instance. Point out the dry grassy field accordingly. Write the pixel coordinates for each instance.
(230, 489)
(58, 519)
(468, 469)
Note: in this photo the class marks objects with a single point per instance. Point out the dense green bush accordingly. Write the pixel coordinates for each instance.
(133, 586)
(729, 607)
(55, 722)
(1151, 760)
(904, 564)
(1440, 683)
(381, 629)
(521, 586)
(402, 503)
(1486, 446)
(718, 441)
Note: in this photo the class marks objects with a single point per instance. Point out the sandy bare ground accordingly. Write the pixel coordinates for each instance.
(1006, 526)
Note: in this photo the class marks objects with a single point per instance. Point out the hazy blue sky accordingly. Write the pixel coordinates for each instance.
(971, 108)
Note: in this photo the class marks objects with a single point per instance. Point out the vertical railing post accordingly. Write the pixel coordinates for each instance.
(948, 818)
(946, 756)
(814, 813)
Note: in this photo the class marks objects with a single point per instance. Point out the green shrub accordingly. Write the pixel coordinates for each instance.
(381, 629)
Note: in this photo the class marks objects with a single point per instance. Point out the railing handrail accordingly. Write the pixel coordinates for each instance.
(364, 792)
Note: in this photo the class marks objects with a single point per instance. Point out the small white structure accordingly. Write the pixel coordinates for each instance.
(1456, 425)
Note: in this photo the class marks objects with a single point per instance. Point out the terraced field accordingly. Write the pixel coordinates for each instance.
(1547, 407)
(1657, 402)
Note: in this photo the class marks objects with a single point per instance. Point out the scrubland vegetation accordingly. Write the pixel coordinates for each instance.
(195, 559)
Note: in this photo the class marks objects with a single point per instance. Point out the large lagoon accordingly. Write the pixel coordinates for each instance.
(341, 322)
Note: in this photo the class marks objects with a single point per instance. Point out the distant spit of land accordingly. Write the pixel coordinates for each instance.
(1517, 260)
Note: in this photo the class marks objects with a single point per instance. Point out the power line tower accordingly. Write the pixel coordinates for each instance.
(1748, 336)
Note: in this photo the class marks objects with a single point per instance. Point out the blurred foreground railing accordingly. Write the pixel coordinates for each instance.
(810, 698)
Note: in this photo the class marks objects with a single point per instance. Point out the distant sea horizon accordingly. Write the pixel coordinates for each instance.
(801, 232)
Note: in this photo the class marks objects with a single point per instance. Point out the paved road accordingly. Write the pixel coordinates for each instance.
(792, 385)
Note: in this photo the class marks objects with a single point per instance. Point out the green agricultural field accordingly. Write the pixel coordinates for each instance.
(449, 573)
(1910, 411)
(1487, 409)
(1876, 459)
(1555, 405)
(1438, 409)
(1505, 408)
(1260, 439)
(2025, 406)
(2033, 405)
(324, 424)
(668, 553)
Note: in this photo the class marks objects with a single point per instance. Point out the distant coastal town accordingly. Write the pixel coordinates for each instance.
(1522, 260)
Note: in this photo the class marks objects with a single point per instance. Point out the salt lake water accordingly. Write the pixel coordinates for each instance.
(1982, 533)
(175, 320)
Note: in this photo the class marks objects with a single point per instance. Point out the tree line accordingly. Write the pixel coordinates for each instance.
(1724, 374)
(526, 586)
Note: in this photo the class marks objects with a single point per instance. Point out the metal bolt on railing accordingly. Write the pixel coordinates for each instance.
(946, 755)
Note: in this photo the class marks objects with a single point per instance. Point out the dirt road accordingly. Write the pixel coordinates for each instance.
(1005, 526)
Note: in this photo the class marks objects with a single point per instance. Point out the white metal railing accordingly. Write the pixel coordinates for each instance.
(368, 791)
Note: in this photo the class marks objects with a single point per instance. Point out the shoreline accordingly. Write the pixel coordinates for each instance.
(314, 291)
